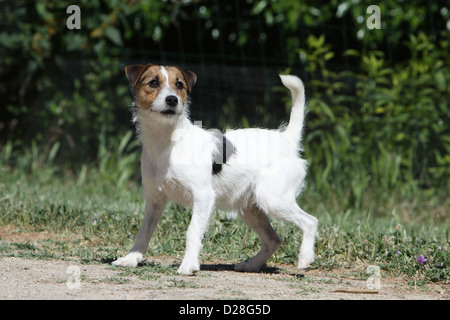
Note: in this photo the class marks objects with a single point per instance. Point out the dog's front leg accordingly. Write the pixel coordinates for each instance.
(202, 208)
(153, 212)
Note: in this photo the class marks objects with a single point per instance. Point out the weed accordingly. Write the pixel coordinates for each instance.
(176, 283)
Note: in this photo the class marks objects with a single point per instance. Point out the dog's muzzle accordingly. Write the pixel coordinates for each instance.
(172, 103)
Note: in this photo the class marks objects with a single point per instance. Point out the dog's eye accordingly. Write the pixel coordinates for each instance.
(179, 85)
(153, 84)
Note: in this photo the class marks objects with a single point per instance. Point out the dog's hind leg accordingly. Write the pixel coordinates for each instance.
(270, 241)
(308, 224)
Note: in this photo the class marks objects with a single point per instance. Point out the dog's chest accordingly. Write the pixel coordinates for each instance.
(160, 176)
(177, 193)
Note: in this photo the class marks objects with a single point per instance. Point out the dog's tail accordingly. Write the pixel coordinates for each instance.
(295, 126)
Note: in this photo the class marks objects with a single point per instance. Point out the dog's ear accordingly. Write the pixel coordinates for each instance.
(191, 78)
(134, 72)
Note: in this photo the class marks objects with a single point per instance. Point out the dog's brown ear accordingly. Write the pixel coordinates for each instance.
(191, 78)
(134, 72)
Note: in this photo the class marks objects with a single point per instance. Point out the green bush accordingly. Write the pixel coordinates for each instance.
(63, 86)
(381, 126)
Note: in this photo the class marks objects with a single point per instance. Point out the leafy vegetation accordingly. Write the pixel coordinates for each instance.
(384, 127)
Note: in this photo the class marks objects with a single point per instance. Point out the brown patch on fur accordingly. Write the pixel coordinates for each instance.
(189, 77)
(134, 72)
(176, 76)
(145, 95)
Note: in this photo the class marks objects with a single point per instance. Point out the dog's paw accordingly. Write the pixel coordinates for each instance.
(187, 269)
(247, 267)
(130, 260)
(305, 262)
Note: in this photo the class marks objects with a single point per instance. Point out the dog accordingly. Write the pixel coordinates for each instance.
(253, 172)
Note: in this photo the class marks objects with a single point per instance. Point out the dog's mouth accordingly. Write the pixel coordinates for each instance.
(168, 113)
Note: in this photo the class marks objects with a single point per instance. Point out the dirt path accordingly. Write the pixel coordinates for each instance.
(60, 279)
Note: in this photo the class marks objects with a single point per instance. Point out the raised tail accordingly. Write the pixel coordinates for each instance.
(295, 126)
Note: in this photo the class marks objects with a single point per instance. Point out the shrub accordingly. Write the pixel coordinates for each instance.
(382, 126)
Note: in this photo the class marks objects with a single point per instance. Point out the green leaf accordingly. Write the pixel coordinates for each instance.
(114, 35)
(351, 52)
(329, 55)
(440, 80)
(259, 7)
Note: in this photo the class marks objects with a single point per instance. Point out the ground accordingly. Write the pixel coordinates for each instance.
(156, 278)
(57, 279)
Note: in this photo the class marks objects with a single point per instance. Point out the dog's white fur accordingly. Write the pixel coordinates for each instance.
(262, 177)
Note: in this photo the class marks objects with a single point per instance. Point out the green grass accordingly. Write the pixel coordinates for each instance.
(91, 218)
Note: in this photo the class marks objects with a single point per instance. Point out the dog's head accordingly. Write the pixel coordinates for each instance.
(163, 90)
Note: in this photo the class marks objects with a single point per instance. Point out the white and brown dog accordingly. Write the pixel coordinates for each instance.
(254, 172)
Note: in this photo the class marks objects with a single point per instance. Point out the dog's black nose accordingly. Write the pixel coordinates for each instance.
(171, 101)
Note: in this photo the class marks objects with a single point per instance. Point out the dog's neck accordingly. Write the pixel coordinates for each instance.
(157, 137)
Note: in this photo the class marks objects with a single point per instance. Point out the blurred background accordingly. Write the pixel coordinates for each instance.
(378, 99)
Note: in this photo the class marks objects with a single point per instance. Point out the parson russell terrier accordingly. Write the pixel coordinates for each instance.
(253, 172)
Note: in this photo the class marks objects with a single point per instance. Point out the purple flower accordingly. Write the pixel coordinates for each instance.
(421, 259)
(95, 222)
(399, 252)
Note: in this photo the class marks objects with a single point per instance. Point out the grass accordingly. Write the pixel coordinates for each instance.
(93, 219)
